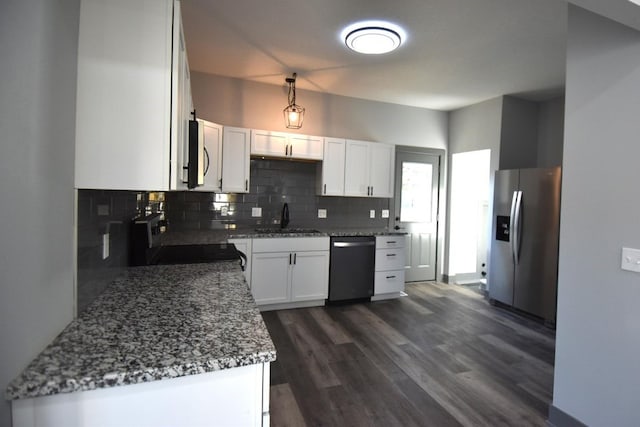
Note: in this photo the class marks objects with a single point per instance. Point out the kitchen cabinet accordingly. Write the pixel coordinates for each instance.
(330, 172)
(133, 95)
(212, 156)
(235, 160)
(369, 169)
(227, 159)
(389, 275)
(290, 271)
(286, 145)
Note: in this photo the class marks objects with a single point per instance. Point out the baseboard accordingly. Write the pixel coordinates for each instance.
(559, 418)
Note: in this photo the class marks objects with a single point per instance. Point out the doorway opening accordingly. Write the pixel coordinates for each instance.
(469, 221)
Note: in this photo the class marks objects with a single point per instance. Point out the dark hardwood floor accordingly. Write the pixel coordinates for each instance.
(442, 356)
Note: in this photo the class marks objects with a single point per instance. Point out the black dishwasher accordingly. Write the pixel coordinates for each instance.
(352, 268)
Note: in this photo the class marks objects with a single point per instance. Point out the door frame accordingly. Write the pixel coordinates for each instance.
(441, 213)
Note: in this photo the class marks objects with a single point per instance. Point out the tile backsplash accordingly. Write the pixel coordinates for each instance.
(273, 183)
(103, 212)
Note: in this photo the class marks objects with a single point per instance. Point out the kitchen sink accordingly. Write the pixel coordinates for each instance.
(286, 231)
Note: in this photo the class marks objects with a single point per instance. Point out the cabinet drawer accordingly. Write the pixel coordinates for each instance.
(389, 259)
(390, 242)
(290, 244)
(389, 281)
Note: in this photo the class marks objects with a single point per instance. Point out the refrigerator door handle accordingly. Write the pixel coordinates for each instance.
(517, 231)
(512, 225)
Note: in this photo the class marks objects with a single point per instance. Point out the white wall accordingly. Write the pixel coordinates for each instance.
(38, 47)
(244, 103)
(597, 379)
(476, 127)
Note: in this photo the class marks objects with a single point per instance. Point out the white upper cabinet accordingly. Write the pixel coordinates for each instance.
(306, 147)
(235, 160)
(212, 156)
(381, 164)
(369, 169)
(133, 96)
(331, 170)
(286, 145)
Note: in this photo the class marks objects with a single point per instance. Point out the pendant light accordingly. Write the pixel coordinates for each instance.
(293, 113)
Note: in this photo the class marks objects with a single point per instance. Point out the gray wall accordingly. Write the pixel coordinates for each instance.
(477, 127)
(235, 102)
(519, 134)
(597, 346)
(38, 47)
(550, 132)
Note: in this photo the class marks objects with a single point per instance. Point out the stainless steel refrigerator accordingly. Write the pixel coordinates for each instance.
(523, 268)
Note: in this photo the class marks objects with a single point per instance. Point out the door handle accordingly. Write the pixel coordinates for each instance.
(295, 258)
(518, 229)
(289, 259)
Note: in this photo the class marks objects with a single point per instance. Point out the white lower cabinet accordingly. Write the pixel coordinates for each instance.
(389, 276)
(289, 272)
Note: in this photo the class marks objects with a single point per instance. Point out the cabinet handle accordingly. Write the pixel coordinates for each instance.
(286, 150)
(291, 150)
(289, 259)
(372, 190)
(246, 185)
(391, 254)
(391, 277)
(325, 189)
(391, 242)
(220, 186)
(295, 258)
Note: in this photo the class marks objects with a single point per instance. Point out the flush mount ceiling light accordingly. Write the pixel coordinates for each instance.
(293, 113)
(373, 37)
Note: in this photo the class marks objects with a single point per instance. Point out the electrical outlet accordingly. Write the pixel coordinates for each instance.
(256, 212)
(103, 210)
(372, 213)
(105, 246)
(631, 259)
(385, 213)
(322, 213)
(224, 211)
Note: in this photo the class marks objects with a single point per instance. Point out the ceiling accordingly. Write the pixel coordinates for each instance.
(457, 52)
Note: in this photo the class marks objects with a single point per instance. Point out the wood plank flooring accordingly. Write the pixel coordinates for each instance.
(442, 356)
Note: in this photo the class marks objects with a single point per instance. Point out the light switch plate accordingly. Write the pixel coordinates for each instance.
(322, 213)
(372, 213)
(631, 259)
(224, 211)
(255, 212)
(385, 213)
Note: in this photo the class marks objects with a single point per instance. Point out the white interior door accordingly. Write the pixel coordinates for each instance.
(416, 211)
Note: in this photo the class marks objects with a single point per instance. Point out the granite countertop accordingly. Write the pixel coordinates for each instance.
(155, 323)
(199, 237)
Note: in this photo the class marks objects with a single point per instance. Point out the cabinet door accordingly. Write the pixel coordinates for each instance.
(212, 156)
(332, 182)
(310, 276)
(235, 160)
(382, 158)
(356, 168)
(267, 143)
(123, 98)
(306, 147)
(270, 277)
(180, 106)
(388, 282)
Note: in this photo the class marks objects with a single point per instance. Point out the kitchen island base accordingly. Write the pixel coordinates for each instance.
(230, 397)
